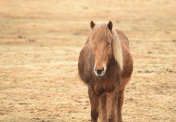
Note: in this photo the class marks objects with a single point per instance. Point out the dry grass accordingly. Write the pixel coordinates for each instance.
(40, 41)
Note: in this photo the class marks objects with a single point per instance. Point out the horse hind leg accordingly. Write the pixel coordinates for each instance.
(119, 105)
(120, 99)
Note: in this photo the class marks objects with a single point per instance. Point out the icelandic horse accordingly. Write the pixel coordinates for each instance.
(105, 65)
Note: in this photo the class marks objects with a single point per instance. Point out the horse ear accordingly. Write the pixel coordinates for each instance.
(92, 24)
(110, 25)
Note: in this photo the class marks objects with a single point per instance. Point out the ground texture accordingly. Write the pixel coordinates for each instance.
(40, 41)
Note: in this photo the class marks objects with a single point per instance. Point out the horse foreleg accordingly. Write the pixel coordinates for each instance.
(103, 101)
(111, 103)
(119, 105)
(94, 105)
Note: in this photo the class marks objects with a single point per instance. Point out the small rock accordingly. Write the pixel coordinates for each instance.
(36, 118)
(169, 70)
(174, 40)
(147, 71)
(149, 52)
(32, 40)
(20, 37)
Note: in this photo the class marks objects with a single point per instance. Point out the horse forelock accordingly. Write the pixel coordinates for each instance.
(100, 32)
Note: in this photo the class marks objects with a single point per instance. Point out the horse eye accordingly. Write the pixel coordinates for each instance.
(108, 43)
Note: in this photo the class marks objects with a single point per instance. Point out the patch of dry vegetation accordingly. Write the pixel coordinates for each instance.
(39, 46)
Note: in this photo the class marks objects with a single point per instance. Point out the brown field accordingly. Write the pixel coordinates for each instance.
(40, 41)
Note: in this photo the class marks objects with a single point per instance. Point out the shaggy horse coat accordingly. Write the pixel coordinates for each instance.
(105, 65)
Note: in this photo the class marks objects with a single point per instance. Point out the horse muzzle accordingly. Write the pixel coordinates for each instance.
(99, 71)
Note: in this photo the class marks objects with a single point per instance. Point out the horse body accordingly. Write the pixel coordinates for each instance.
(105, 91)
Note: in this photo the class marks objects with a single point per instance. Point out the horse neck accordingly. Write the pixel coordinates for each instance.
(113, 65)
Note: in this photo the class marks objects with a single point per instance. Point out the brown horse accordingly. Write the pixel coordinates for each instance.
(105, 65)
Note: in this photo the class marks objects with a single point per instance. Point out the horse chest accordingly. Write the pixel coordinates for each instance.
(104, 86)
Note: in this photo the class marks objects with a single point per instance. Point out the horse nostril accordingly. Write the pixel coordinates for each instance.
(99, 71)
(102, 69)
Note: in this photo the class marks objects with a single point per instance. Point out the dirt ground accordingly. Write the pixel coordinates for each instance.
(40, 41)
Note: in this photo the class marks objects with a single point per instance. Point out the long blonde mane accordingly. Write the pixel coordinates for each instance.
(117, 50)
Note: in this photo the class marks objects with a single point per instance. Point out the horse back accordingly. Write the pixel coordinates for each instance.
(123, 38)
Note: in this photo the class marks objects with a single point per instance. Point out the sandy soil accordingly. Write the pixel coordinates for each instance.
(40, 41)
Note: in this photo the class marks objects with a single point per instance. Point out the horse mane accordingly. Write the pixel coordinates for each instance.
(101, 31)
(117, 49)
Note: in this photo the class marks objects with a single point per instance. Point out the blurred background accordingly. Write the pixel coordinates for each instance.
(40, 41)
